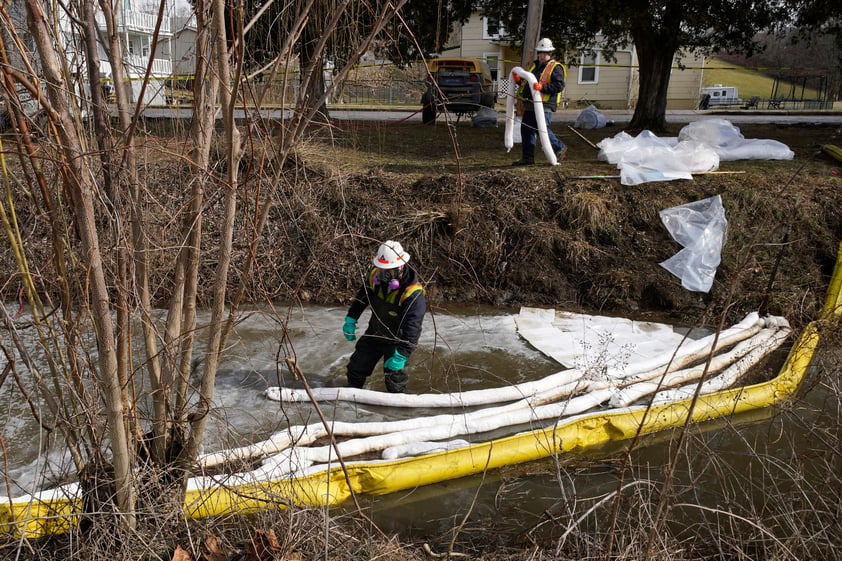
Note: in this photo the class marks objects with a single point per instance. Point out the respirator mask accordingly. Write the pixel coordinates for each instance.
(388, 278)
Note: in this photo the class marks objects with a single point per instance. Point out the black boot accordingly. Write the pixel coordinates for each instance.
(396, 380)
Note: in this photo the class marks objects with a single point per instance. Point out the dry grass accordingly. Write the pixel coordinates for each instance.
(592, 213)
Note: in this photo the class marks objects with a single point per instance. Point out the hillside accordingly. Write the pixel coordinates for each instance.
(751, 82)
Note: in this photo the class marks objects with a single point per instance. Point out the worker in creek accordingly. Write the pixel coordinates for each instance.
(398, 303)
(550, 75)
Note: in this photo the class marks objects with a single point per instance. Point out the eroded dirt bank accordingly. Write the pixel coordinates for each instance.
(498, 239)
(481, 231)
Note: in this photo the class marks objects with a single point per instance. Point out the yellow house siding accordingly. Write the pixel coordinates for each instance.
(610, 91)
(473, 45)
(684, 85)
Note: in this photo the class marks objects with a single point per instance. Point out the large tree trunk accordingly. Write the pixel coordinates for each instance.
(655, 50)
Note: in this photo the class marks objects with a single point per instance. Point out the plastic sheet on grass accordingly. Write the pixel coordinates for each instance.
(699, 147)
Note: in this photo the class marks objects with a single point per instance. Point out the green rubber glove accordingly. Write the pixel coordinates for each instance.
(395, 362)
(350, 328)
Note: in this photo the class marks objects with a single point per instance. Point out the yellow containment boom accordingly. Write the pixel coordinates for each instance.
(833, 151)
(38, 516)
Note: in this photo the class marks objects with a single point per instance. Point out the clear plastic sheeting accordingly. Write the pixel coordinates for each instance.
(647, 157)
(613, 149)
(590, 118)
(699, 147)
(727, 140)
(700, 227)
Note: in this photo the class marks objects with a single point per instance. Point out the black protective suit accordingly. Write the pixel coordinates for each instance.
(395, 324)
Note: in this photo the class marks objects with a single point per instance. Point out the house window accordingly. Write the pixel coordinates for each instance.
(492, 28)
(140, 45)
(589, 69)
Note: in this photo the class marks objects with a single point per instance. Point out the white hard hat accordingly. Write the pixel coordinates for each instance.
(544, 46)
(390, 255)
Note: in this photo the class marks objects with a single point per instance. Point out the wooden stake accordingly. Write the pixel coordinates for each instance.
(583, 138)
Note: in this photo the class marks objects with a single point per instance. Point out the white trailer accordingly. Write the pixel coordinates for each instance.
(720, 95)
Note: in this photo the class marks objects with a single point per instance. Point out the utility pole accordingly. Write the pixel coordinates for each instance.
(533, 27)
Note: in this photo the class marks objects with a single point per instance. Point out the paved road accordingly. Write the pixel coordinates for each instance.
(782, 117)
(686, 116)
(569, 116)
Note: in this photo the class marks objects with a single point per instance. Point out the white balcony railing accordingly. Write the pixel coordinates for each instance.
(137, 21)
(136, 66)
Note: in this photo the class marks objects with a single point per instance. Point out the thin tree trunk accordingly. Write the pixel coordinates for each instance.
(140, 246)
(183, 306)
(77, 177)
(228, 100)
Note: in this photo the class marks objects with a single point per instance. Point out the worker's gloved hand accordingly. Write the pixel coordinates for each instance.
(538, 86)
(396, 362)
(516, 78)
(350, 328)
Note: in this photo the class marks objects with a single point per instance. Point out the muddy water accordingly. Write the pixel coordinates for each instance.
(461, 349)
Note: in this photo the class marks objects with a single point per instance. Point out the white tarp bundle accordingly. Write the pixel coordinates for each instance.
(590, 118)
(699, 147)
(485, 117)
(647, 157)
(727, 140)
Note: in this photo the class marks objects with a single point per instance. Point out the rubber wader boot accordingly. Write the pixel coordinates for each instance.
(396, 381)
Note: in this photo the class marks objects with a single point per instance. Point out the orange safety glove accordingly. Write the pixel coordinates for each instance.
(516, 78)
(538, 86)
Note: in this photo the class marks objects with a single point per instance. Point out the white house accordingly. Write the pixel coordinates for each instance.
(136, 29)
(610, 85)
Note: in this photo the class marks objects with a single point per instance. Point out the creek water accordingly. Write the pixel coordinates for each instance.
(462, 348)
(459, 349)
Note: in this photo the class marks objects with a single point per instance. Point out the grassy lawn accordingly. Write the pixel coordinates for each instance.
(749, 82)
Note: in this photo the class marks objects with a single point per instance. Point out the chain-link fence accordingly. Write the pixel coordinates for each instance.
(379, 92)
